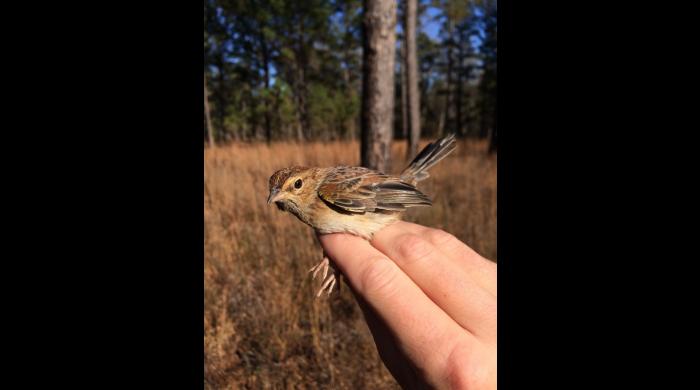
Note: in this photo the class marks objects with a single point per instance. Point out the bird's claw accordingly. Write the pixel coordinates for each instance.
(329, 280)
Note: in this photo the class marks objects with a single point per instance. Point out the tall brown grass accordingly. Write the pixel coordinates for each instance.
(263, 327)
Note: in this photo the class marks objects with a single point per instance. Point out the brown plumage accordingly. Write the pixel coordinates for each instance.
(354, 200)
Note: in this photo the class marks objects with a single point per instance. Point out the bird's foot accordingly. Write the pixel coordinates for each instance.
(329, 280)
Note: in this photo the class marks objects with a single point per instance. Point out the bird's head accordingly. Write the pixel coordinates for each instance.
(292, 189)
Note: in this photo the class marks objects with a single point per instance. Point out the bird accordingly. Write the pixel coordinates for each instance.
(352, 199)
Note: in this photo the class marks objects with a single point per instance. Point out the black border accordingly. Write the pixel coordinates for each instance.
(110, 277)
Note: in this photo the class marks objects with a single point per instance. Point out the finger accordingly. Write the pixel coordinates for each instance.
(387, 344)
(450, 287)
(426, 333)
(482, 270)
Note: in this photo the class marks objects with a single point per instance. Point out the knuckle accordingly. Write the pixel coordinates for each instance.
(413, 248)
(463, 372)
(456, 370)
(440, 237)
(379, 277)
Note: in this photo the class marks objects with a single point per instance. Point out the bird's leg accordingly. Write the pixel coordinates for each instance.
(329, 281)
(322, 265)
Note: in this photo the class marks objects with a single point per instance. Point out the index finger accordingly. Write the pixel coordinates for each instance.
(425, 331)
(452, 288)
(461, 256)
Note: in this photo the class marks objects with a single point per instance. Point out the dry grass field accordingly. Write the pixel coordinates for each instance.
(263, 327)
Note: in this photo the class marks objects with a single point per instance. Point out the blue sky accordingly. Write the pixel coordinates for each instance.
(430, 27)
(426, 23)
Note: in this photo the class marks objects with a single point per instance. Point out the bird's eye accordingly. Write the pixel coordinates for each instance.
(297, 184)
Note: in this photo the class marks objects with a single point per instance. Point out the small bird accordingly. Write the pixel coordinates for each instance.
(353, 200)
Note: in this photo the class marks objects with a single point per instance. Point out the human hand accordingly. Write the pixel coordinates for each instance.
(429, 301)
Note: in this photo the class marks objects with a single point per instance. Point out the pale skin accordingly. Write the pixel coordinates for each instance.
(429, 301)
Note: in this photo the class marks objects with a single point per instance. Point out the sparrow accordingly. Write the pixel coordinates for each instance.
(355, 200)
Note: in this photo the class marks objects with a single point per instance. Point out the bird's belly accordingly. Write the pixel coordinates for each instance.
(363, 225)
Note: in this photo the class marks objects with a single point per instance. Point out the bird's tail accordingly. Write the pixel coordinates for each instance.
(417, 170)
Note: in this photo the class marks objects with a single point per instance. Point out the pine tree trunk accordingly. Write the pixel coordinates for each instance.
(412, 92)
(220, 99)
(441, 122)
(493, 143)
(458, 94)
(404, 99)
(266, 96)
(447, 120)
(302, 90)
(378, 83)
(210, 130)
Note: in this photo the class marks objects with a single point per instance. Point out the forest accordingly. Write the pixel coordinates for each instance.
(293, 70)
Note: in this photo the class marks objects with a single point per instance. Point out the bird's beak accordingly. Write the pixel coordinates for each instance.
(275, 195)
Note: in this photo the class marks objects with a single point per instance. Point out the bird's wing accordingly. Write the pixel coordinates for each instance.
(359, 190)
